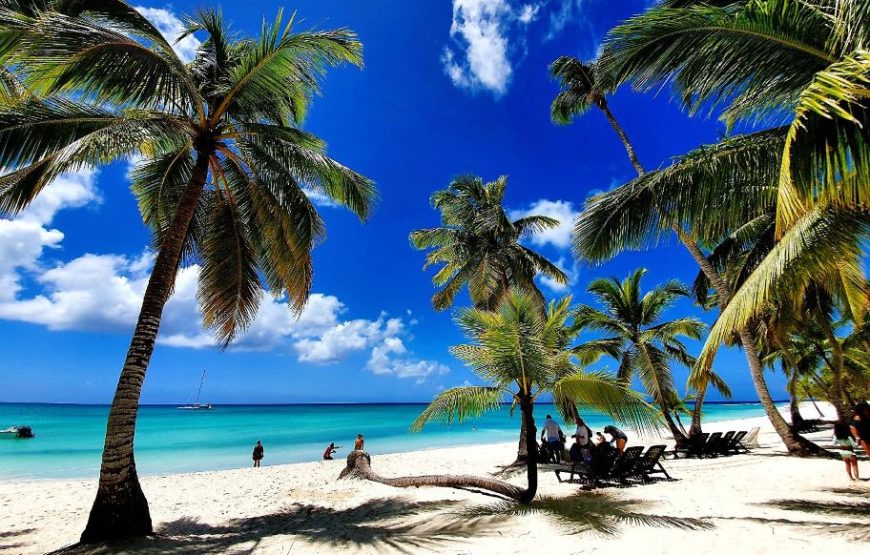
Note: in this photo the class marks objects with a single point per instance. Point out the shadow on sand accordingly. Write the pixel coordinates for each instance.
(377, 525)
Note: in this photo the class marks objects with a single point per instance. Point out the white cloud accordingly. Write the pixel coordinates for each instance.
(171, 27)
(529, 13)
(479, 55)
(561, 210)
(392, 357)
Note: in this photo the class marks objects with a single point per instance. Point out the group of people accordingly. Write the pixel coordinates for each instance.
(584, 448)
(855, 434)
(358, 444)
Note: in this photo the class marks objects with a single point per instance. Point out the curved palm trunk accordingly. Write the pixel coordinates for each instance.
(695, 426)
(629, 149)
(523, 447)
(359, 466)
(795, 444)
(794, 409)
(120, 509)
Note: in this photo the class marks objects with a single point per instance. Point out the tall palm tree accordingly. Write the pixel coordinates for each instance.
(222, 183)
(767, 59)
(643, 345)
(515, 349)
(479, 245)
(584, 85)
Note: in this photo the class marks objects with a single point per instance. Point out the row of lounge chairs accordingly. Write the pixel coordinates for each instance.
(716, 444)
(632, 465)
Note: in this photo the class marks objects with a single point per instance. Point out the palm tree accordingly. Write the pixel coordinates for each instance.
(222, 183)
(584, 85)
(515, 350)
(479, 246)
(771, 58)
(634, 336)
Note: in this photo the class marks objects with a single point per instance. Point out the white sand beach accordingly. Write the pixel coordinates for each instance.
(763, 502)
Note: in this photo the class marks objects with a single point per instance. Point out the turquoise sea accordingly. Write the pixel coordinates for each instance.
(69, 438)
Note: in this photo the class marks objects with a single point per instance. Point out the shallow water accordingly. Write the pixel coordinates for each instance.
(70, 437)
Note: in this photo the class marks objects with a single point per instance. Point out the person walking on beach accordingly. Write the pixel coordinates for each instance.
(860, 427)
(619, 438)
(327, 455)
(846, 446)
(360, 443)
(258, 454)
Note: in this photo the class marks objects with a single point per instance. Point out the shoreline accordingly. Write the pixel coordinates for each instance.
(730, 504)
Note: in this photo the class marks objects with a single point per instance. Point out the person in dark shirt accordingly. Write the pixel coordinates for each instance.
(860, 427)
(327, 455)
(619, 438)
(258, 454)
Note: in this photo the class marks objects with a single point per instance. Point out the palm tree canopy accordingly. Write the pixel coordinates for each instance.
(633, 334)
(107, 86)
(479, 245)
(581, 85)
(520, 351)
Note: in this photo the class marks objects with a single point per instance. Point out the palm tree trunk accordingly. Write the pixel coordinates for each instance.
(523, 447)
(818, 410)
(838, 399)
(629, 149)
(527, 407)
(795, 444)
(359, 466)
(120, 509)
(695, 427)
(794, 410)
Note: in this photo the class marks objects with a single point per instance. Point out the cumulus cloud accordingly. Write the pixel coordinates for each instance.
(478, 57)
(103, 293)
(171, 27)
(561, 210)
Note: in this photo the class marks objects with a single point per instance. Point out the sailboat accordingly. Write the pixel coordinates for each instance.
(196, 405)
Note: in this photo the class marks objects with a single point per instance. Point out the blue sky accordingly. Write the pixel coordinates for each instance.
(446, 90)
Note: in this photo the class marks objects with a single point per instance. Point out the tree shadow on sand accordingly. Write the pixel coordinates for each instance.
(378, 525)
(599, 513)
(5, 545)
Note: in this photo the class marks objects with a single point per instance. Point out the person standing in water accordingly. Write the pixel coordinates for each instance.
(258, 454)
(360, 443)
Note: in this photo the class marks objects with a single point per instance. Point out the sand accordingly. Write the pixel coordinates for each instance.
(764, 502)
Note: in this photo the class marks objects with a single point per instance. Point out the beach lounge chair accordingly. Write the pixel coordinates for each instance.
(650, 463)
(713, 445)
(751, 440)
(725, 443)
(623, 466)
(695, 447)
(734, 446)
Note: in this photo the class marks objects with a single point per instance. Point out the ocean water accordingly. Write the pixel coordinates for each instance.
(69, 438)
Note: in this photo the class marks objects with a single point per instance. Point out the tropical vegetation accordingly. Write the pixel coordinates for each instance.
(222, 182)
(478, 245)
(643, 345)
(755, 61)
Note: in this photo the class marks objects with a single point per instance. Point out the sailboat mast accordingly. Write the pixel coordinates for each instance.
(198, 391)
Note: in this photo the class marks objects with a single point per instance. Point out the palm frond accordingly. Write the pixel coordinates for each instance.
(459, 403)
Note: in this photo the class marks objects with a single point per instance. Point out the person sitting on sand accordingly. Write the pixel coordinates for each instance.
(860, 427)
(619, 438)
(846, 446)
(258, 454)
(327, 455)
(360, 443)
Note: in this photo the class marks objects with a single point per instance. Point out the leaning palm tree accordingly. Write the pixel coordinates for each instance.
(222, 182)
(584, 85)
(479, 245)
(513, 350)
(643, 345)
(770, 58)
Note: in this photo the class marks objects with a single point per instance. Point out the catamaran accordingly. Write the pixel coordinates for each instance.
(196, 405)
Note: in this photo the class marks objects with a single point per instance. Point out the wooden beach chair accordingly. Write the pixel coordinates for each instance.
(750, 441)
(650, 463)
(695, 447)
(734, 447)
(711, 448)
(725, 443)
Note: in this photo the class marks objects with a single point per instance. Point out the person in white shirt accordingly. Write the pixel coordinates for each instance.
(582, 433)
